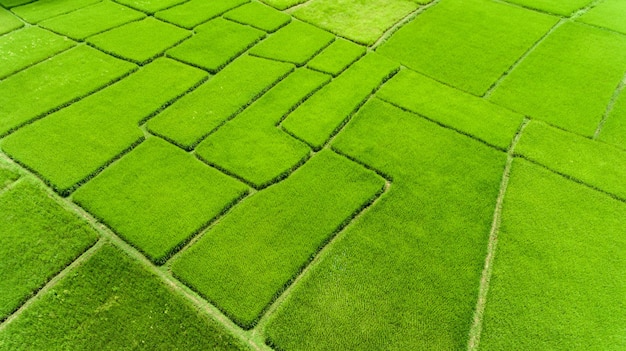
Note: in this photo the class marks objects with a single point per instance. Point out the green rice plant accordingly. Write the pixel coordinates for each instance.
(608, 14)
(595, 163)
(69, 146)
(404, 275)
(297, 42)
(26, 47)
(569, 79)
(216, 44)
(197, 114)
(557, 280)
(252, 254)
(140, 41)
(195, 12)
(559, 7)
(40, 10)
(259, 16)
(150, 6)
(452, 108)
(55, 83)
(361, 21)
(7, 176)
(8, 22)
(283, 4)
(91, 20)
(110, 302)
(321, 116)
(614, 129)
(251, 146)
(38, 238)
(337, 57)
(158, 197)
(476, 41)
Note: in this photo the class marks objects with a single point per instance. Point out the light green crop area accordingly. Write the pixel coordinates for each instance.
(70, 145)
(7, 176)
(321, 116)
(26, 47)
(38, 238)
(297, 42)
(245, 260)
(91, 20)
(614, 129)
(558, 7)
(110, 302)
(283, 4)
(337, 56)
(197, 114)
(476, 41)
(150, 6)
(569, 79)
(8, 22)
(157, 197)
(54, 83)
(40, 10)
(557, 279)
(608, 14)
(404, 276)
(194, 12)
(259, 16)
(216, 44)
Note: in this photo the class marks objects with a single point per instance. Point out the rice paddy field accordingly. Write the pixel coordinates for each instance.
(297, 175)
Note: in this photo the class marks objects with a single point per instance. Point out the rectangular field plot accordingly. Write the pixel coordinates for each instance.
(337, 56)
(476, 41)
(54, 83)
(194, 116)
(297, 42)
(110, 302)
(559, 7)
(27, 47)
(614, 129)
(252, 254)
(70, 145)
(595, 163)
(405, 275)
(259, 16)
(608, 14)
(558, 277)
(195, 12)
(40, 10)
(8, 22)
(38, 238)
(569, 79)
(251, 146)
(453, 108)
(91, 20)
(318, 118)
(216, 44)
(150, 6)
(140, 41)
(158, 196)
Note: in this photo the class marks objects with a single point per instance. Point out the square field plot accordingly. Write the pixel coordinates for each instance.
(158, 196)
(38, 238)
(361, 21)
(558, 275)
(609, 14)
(110, 302)
(468, 44)
(337, 56)
(259, 16)
(140, 41)
(568, 79)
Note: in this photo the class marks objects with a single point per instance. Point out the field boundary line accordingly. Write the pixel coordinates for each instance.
(609, 107)
(485, 279)
(401, 23)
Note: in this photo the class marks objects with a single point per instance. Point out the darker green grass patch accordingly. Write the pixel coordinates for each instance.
(321, 116)
(197, 114)
(140, 41)
(557, 280)
(55, 83)
(110, 302)
(337, 57)
(150, 6)
(27, 47)
(158, 196)
(259, 16)
(467, 43)
(38, 238)
(452, 108)
(8, 22)
(405, 275)
(40, 10)
(297, 42)
(70, 145)
(558, 7)
(248, 258)
(608, 14)
(216, 44)
(568, 79)
(91, 20)
(195, 12)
